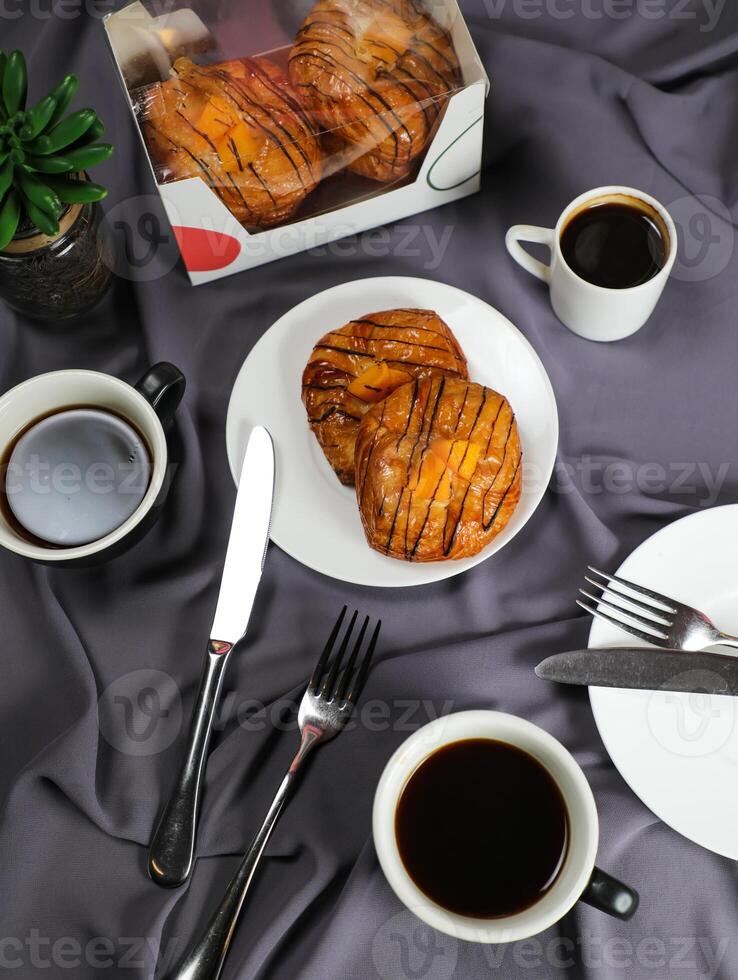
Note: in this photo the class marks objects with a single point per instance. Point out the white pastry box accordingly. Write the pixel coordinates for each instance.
(267, 136)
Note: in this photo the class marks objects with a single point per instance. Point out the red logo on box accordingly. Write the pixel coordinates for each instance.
(204, 250)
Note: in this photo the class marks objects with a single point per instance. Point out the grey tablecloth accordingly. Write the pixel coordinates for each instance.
(623, 92)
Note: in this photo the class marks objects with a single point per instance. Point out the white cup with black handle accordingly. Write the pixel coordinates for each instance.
(85, 462)
(468, 840)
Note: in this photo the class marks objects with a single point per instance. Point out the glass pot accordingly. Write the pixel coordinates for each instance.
(59, 277)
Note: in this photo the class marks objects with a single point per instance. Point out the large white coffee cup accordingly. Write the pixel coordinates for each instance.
(578, 877)
(591, 311)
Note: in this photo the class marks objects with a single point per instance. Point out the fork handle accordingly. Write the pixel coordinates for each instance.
(206, 958)
(726, 640)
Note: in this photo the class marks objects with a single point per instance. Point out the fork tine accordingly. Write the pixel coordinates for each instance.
(340, 692)
(330, 682)
(663, 600)
(320, 666)
(655, 611)
(648, 637)
(644, 620)
(361, 672)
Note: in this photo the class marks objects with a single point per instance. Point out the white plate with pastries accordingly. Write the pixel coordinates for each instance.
(316, 517)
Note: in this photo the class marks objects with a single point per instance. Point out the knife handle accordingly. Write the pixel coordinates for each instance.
(173, 845)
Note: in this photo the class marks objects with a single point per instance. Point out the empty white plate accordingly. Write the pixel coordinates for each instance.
(679, 752)
(315, 517)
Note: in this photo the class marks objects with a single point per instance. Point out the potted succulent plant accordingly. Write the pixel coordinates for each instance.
(54, 260)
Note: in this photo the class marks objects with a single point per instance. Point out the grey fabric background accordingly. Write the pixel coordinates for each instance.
(624, 92)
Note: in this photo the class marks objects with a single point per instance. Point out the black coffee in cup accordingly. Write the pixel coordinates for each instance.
(616, 243)
(482, 828)
(74, 476)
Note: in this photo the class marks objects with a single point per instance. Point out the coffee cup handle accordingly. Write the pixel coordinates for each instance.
(530, 233)
(163, 386)
(610, 895)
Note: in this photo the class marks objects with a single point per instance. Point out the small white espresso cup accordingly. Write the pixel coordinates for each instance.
(591, 311)
(148, 407)
(578, 878)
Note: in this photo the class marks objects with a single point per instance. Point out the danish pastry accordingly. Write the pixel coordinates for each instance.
(438, 469)
(238, 126)
(375, 75)
(356, 366)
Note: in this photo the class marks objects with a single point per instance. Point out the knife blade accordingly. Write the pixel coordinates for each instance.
(644, 669)
(173, 845)
(248, 541)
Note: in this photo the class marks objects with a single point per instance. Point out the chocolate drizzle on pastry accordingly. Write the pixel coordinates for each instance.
(240, 128)
(438, 469)
(375, 74)
(356, 366)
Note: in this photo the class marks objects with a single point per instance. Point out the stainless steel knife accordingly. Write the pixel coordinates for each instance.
(173, 845)
(644, 669)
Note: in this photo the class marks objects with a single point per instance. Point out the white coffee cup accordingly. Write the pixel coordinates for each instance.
(591, 311)
(578, 878)
(148, 407)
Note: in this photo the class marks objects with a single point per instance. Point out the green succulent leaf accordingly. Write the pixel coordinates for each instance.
(45, 222)
(76, 191)
(3, 63)
(63, 95)
(96, 130)
(15, 83)
(67, 131)
(6, 177)
(39, 194)
(38, 146)
(42, 151)
(9, 218)
(37, 119)
(50, 165)
(89, 156)
(92, 135)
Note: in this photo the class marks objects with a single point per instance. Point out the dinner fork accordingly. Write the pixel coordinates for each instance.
(654, 617)
(325, 708)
